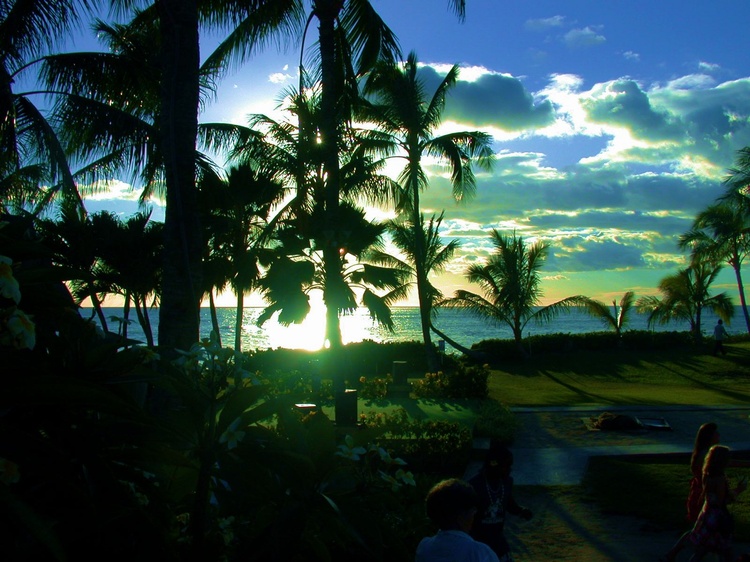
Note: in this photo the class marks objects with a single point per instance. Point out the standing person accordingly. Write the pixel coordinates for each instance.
(714, 527)
(451, 505)
(494, 488)
(707, 436)
(720, 334)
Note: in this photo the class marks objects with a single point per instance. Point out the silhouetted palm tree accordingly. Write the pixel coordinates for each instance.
(721, 234)
(684, 296)
(616, 317)
(408, 120)
(238, 210)
(511, 285)
(29, 146)
(297, 268)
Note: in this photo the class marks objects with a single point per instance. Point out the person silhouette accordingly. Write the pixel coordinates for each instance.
(720, 334)
(494, 487)
(451, 505)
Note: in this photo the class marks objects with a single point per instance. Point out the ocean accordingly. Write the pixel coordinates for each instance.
(458, 325)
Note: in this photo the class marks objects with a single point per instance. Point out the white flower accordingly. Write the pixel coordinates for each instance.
(349, 451)
(232, 436)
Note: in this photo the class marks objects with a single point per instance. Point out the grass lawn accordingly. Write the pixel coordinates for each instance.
(672, 377)
(651, 488)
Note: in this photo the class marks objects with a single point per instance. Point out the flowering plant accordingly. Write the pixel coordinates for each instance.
(16, 327)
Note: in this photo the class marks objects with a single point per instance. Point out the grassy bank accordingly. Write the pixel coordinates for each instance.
(684, 375)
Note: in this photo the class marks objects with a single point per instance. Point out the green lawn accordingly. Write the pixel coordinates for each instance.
(674, 377)
(680, 376)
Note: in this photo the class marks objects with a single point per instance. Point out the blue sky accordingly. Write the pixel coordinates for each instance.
(614, 124)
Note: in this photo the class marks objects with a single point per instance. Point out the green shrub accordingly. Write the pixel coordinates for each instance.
(466, 381)
(374, 387)
(496, 421)
(428, 446)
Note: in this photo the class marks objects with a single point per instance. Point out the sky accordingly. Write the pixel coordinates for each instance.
(613, 123)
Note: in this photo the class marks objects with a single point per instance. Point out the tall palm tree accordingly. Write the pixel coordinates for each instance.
(408, 120)
(616, 317)
(511, 285)
(130, 255)
(434, 257)
(684, 296)
(290, 150)
(721, 234)
(239, 207)
(28, 141)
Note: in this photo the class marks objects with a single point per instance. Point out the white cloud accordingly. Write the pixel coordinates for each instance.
(586, 37)
(545, 23)
(279, 78)
(630, 55)
(692, 82)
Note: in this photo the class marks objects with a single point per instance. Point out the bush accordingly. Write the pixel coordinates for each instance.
(467, 381)
(558, 343)
(375, 387)
(429, 446)
(496, 421)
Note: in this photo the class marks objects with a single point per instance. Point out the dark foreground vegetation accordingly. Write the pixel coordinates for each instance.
(123, 454)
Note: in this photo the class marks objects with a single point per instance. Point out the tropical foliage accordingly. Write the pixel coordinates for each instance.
(511, 286)
(684, 296)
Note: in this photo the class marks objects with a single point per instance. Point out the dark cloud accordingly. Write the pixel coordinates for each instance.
(593, 255)
(493, 100)
(623, 103)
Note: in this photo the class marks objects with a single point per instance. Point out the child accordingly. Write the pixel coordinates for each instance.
(713, 528)
(494, 487)
(451, 505)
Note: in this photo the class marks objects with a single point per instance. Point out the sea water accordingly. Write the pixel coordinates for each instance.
(459, 325)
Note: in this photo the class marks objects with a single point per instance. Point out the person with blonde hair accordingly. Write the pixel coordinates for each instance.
(714, 527)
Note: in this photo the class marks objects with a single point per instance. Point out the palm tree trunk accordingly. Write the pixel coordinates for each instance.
(238, 320)
(214, 317)
(475, 355)
(327, 12)
(179, 314)
(99, 312)
(741, 289)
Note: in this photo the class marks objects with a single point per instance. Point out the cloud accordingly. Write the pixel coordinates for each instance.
(491, 99)
(582, 38)
(623, 103)
(630, 55)
(544, 24)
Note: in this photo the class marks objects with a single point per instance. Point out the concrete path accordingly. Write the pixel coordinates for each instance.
(553, 445)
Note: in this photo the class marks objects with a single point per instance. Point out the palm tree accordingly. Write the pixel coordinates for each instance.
(511, 286)
(290, 151)
(721, 234)
(618, 316)
(352, 38)
(74, 243)
(239, 209)
(297, 267)
(434, 258)
(684, 296)
(130, 255)
(408, 120)
(29, 145)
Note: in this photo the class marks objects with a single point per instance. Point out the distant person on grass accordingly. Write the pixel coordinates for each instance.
(494, 488)
(720, 334)
(451, 505)
(714, 527)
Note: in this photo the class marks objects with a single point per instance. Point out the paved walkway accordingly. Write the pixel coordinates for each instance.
(553, 445)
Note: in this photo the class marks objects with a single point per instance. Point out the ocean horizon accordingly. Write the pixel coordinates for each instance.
(459, 325)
